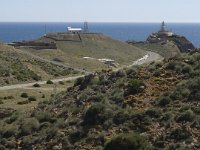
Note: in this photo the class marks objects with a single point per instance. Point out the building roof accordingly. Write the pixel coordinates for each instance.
(73, 29)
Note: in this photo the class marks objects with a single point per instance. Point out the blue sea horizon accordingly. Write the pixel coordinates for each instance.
(19, 31)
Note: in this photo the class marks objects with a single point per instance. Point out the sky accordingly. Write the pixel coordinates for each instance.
(99, 10)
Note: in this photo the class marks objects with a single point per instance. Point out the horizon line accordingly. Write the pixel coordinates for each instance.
(96, 22)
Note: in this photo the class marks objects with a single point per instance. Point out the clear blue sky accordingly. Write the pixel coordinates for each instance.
(99, 10)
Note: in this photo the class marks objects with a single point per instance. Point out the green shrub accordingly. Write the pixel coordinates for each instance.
(9, 131)
(171, 65)
(1, 102)
(28, 140)
(43, 96)
(29, 125)
(117, 96)
(164, 100)
(12, 118)
(194, 95)
(8, 97)
(129, 141)
(44, 116)
(49, 82)
(135, 86)
(153, 113)
(131, 72)
(23, 102)
(157, 73)
(187, 69)
(51, 132)
(120, 73)
(2, 147)
(84, 82)
(120, 117)
(32, 98)
(61, 83)
(11, 144)
(36, 77)
(79, 81)
(186, 116)
(180, 93)
(97, 114)
(180, 134)
(36, 85)
(66, 144)
(24, 95)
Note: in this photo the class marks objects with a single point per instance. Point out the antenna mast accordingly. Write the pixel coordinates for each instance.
(86, 29)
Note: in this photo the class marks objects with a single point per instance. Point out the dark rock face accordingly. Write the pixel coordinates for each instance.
(183, 44)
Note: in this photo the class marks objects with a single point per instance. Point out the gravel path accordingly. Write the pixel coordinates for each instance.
(149, 57)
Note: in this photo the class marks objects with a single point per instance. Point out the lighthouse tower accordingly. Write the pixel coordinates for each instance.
(163, 27)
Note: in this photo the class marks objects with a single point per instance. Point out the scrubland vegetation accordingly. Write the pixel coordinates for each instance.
(148, 107)
(16, 67)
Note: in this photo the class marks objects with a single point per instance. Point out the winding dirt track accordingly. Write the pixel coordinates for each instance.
(20, 86)
(151, 56)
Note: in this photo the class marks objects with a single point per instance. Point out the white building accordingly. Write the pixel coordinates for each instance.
(74, 30)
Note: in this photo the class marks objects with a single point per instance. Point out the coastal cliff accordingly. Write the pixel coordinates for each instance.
(165, 43)
(181, 42)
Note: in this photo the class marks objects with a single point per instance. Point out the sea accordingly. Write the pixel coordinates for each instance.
(12, 32)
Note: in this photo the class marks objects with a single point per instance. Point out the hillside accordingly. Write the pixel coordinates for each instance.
(167, 50)
(83, 50)
(149, 107)
(18, 67)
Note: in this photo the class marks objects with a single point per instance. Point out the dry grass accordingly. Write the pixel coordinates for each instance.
(17, 67)
(96, 46)
(167, 50)
(46, 90)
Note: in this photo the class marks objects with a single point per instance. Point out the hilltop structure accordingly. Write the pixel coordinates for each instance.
(163, 31)
(79, 30)
(74, 30)
(163, 36)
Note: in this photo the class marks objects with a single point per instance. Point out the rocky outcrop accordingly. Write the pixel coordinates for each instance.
(181, 42)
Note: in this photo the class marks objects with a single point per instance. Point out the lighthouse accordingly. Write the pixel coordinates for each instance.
(163, 27)
(163, 31)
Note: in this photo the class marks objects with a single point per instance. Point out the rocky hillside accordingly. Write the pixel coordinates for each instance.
(17, 67)
(166, 45)
(149, 107)
(167, 50)
(183, 44)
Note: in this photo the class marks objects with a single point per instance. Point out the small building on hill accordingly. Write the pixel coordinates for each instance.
(74, 30)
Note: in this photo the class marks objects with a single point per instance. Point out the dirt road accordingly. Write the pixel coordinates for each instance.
(19, 86)
(149, 57)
